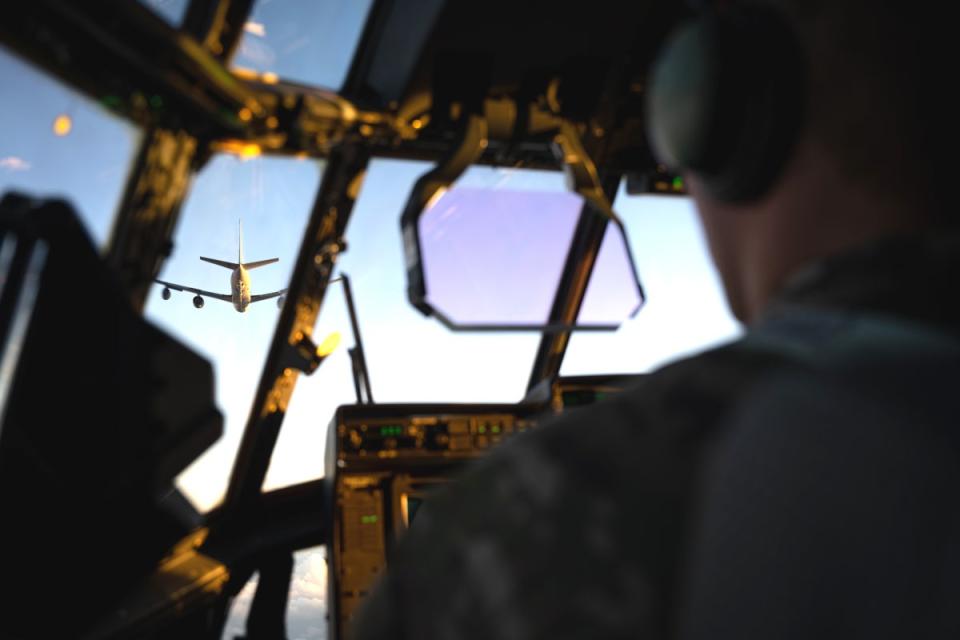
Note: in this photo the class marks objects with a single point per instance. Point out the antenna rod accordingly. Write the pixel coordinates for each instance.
(361, 374)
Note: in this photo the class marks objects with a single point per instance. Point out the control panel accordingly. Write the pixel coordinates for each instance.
(385, 461)
(425, 438)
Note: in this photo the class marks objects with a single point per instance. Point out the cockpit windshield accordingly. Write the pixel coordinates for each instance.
(56, 142)
(685, 310)
(271, 198)
(410, 358)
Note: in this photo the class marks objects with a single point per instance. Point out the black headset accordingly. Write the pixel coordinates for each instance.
(726, 98)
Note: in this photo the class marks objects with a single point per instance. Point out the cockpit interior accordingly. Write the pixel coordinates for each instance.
(473, 237)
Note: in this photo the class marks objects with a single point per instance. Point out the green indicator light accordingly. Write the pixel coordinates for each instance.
(678, 184)
(601, 396)
(368, 519)
(111, 101)
(495, 429)
(482, 429)
(226, 114)
(156, 102)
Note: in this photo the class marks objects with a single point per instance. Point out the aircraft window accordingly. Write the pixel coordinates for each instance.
(411, 358)
(685, 311)
(612, 292)
(236, 624)
(302, 40)
(55, 142)
(272, 197)
(170, 10)
(493, 248)
(307, 604)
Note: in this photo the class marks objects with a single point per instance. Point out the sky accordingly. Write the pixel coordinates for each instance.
(411, 357)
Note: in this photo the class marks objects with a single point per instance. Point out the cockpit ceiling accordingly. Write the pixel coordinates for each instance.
(590, 59)
(583, 62)
(516, 42)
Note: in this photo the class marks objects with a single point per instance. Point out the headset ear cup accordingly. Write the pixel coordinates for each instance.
(745, 69)
(681, 98)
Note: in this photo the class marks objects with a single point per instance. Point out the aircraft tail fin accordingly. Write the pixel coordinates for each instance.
(260, 263)
(221, 263)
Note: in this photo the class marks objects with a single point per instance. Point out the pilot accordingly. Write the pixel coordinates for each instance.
(803, 481)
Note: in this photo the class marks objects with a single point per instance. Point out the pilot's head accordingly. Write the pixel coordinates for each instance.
(804, 128)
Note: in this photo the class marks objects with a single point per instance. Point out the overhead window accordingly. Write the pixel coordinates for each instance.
(170, 10)
(306, 41)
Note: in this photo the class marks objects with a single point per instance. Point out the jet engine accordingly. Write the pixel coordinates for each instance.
(280, 300)
(198, 302)
(165, 294)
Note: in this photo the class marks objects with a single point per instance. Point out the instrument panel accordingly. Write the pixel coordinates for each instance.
(385, 460)
(422, 436)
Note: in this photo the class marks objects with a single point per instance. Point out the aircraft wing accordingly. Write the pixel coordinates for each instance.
(267, 296)
(199, 292)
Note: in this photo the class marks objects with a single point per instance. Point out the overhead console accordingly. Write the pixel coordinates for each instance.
(384, 460)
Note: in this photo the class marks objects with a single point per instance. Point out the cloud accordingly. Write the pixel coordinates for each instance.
(304, 629)
(307, 608)
(236, 624)
(309, 585)
(258, 53)
(13, 163)
(256, 28)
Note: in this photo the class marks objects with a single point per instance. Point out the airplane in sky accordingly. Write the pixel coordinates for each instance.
(239, 282)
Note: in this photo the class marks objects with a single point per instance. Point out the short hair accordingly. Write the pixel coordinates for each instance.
(876, 77)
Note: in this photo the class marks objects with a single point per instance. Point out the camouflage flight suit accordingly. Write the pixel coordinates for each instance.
(802, 482)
